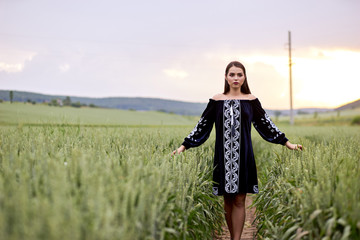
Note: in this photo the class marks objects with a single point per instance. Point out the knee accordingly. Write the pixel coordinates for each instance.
(239, 200)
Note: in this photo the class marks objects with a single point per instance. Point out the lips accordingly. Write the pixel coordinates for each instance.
(236, 83)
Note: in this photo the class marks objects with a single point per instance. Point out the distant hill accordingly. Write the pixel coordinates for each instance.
(351, 105)
(139, 104)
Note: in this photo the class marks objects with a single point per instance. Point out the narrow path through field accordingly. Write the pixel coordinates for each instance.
(249, 228)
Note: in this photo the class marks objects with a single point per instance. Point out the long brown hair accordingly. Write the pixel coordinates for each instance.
(244, 87)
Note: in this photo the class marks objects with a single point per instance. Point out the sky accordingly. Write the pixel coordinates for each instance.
(179, 49)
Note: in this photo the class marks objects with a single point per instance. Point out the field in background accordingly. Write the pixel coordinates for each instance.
(25, 113)
(343, 117)
(39, 114)
(89, 177)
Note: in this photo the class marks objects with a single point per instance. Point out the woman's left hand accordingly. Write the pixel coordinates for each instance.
(291, 146)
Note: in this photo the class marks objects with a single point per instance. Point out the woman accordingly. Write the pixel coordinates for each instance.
(234, 172)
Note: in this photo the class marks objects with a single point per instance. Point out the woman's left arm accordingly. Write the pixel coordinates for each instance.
(267, 129)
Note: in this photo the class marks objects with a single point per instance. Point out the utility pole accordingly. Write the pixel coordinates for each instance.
(290, 78)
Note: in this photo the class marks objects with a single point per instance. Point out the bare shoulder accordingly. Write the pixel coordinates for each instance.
(222, 96)
(218, 96)
(251, 97)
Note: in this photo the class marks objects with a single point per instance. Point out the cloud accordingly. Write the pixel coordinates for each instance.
(11, 68)
(15, 61)
(175, 73)
(64, 67)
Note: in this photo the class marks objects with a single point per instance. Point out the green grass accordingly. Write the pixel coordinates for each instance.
(104, 183)
(314, 194)
(68, 173)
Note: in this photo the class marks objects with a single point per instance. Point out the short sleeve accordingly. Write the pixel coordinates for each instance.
(202, 130)
(265, 127)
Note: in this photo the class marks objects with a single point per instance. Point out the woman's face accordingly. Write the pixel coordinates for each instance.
(235, 77)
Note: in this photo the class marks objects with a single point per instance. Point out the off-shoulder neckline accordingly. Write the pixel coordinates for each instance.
(221, 100)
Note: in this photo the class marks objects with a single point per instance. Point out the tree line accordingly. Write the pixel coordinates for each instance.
(55, 102)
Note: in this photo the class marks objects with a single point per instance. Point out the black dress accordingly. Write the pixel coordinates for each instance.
(234, 162)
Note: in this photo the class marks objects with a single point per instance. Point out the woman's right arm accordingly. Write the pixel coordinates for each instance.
(201, 131)
(179, 150)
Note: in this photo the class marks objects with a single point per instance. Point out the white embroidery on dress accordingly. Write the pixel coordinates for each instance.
(197, 128)
(270, 125)
(215, 191)
(255, 188)
(232, 133)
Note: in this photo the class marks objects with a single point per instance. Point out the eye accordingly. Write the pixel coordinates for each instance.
(231, 74)
(240, 75)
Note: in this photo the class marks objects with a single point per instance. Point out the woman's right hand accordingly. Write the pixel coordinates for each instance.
(291, 146)
(179, 150)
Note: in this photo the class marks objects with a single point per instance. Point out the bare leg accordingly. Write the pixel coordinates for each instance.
(238, 215)
(228, 207)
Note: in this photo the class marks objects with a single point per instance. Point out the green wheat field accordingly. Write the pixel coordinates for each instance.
(69, 173)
